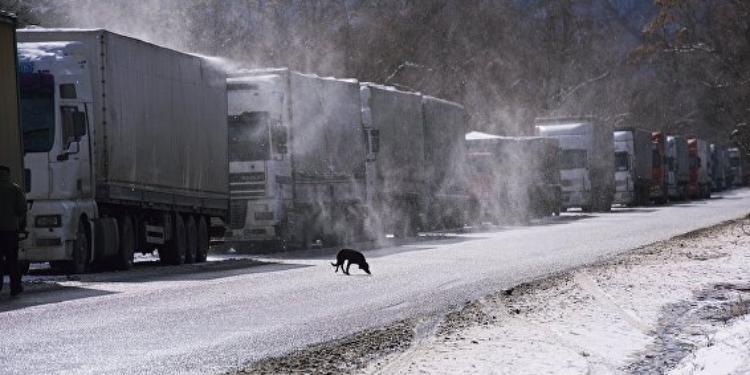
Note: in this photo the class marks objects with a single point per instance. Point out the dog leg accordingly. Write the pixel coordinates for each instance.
(347, 267)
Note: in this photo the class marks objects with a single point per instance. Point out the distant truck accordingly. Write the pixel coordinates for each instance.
(678, 167)
(719, 161)
(296, 159)
(126, 143)
(735, 166)
(586, 160)
(633, 166)
(393, 123)
(659, 170)
(699, 184)
(512, 179)
(445, 160)
(11, 146)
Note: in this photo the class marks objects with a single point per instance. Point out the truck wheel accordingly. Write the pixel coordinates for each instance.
(173, 252)
(191, 239)
(81, 252)
(124, 260)
(202, 251)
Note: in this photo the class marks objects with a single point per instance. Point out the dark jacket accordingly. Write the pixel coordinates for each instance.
(12, 204)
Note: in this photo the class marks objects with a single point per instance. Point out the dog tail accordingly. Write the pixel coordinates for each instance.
(334, 264)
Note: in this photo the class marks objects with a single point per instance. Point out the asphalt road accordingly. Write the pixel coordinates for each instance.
(213, 321)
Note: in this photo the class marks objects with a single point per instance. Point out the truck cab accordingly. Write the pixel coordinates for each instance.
(735, 166)
(586, 159)
(259, 165)
(55, 111)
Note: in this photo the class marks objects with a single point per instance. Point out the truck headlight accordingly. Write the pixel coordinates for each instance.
(48, 221)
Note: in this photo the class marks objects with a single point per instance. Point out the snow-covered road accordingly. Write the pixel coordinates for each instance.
(210, 322)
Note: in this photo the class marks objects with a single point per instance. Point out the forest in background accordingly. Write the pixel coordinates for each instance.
(677, 65)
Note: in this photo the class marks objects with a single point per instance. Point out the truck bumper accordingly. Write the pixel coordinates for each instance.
(53, 243)
(46, 253)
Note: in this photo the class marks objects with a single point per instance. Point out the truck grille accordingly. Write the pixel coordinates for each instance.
(237, 213)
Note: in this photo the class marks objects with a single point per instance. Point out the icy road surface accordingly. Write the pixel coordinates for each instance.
(213, 321)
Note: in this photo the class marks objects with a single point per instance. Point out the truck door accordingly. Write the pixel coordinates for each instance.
(70, 166)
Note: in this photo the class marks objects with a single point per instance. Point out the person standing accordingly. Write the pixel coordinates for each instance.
(12, 221)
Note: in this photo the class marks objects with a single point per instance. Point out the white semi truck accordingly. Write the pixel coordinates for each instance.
(296, 159)
(633, 166)
(126, 144)
(586, 159)
(393, 123)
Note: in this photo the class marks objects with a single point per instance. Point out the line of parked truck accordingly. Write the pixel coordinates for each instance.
(134, 147)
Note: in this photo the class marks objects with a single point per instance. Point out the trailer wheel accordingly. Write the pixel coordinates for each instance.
(202, 250)
(191, 239)
(124, 260)
(173, 252)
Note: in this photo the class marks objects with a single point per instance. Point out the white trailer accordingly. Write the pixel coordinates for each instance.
(297, 159)
(126, 147)
(633, 166)
(586, 159)
(393, 122)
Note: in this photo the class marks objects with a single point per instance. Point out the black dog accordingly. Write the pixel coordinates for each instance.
(352, 256)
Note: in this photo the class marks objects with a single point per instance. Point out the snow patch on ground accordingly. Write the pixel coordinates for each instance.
(728, 353)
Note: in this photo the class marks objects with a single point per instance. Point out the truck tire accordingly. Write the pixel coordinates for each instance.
(81, 254)
(124, 259)
(173, 252)
(191, 239)
(203, 241)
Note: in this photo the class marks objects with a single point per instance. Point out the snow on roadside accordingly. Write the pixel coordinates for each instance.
(640, 313)
(728, 353)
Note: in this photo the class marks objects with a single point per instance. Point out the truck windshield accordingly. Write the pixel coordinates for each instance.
(622, 162)
(249, 138)
(734, 162)
(37, 111)
(573, 159)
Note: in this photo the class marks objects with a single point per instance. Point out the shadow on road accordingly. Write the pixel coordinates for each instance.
(146, 271)
(50, 294)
